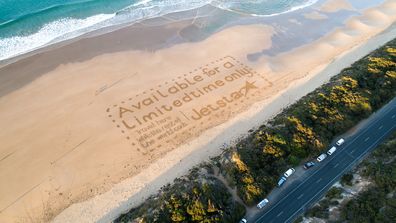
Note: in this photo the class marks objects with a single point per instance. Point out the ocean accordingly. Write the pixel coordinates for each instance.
(26, 25)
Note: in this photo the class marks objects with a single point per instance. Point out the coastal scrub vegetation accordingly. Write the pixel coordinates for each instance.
(307, 127)
(376, 203)
(299, 133)
(196, 197)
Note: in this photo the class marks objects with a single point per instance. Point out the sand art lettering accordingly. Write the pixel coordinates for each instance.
(170, 114)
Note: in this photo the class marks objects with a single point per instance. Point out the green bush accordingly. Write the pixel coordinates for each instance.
(334, 193)
(306, 128)
(204, 199)
(346, 179)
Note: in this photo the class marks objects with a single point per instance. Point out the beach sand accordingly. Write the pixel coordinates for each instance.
(91, 129)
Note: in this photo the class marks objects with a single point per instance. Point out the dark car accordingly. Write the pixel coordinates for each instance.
(309, 165)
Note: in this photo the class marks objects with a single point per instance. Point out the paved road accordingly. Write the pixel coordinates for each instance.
(300, 194)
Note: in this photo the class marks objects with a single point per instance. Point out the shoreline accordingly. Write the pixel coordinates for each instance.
(85, 156)
(189, 14)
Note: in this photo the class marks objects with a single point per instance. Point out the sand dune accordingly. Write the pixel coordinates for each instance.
(375, 18)
(339, 38)
(356, 26)
(356, 31)
(388, 8)
(361, 28)
(335, 5)
(315, 15)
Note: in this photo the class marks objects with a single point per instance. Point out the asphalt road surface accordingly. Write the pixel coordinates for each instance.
(297, 197)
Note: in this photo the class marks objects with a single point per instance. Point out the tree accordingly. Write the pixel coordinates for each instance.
(346, 179)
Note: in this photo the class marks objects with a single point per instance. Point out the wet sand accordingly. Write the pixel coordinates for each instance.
(100, 124)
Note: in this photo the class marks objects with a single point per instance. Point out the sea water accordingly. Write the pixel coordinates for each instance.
(26, 25)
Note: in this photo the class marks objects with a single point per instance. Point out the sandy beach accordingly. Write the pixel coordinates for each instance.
(93, 127)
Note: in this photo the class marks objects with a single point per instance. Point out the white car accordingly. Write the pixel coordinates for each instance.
(243, 220)
(289, 172)
(262, 203)
(340, 142)
(331, 150)
(321, 157)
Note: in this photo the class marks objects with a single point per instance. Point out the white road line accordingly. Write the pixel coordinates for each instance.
(375, 121)
(280, 213)
(367, 139)
(338, 175)
(335, 166)
(299, 197)
(320, 179)
(381, 127)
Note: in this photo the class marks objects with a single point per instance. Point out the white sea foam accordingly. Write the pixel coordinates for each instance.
(228, 6)
(52, 32)
(68, 28)
(148, 9)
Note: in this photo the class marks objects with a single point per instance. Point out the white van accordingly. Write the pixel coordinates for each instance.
(340, 142)
(331, 150)
(289, 172)
(262, 203)
(321, 157)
